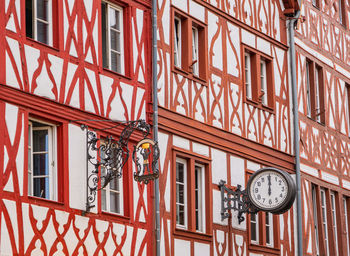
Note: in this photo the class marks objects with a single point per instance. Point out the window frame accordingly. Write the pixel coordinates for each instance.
(315, 105)
(188, 67)
(107, 190)
(254, 93)
(327, 234)
(105, 36)
(190, 230)
(52, 22)
(53, 159)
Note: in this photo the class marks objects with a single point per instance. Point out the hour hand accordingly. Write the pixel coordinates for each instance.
(269, 179)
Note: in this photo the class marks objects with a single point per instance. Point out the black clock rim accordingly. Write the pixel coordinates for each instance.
(288, 201)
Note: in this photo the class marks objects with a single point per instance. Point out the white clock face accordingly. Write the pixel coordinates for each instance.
(269, 190)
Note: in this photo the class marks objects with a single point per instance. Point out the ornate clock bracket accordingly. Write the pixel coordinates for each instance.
(237, 200)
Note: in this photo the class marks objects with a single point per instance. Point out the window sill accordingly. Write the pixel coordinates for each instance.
(34, 42)
(44, 201)
(260, 105)
(115, 216)
(190, 76)
(193, 235)
(264, 249)
(114, 73)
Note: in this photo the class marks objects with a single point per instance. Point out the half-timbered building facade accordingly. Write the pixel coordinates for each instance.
(323, 59)
(224, 112)
(63, 64)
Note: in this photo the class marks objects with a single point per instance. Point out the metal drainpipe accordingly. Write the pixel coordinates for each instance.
(291, 26)
(155, 119)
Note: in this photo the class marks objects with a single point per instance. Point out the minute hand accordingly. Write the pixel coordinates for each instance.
(269, 179)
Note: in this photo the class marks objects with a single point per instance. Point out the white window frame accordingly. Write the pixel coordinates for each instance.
(48, 22)
(248, 75)
(340, 11)
(184, 162)
(308, 90)
(52, 158)
(314, 205)
(110, 6)
(195, 57)
(269, 226)
(201, 197)
(106, 201)
(177, 42)
(263, 81)
(334, 220)
(324, 219)
(345, 204)
(256, 225)
(317, 94)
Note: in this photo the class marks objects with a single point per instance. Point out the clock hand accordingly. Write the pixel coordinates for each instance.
(269, 178)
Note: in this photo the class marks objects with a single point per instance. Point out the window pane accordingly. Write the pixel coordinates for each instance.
(42, 9)
(41, 187)
(180, 214)
(103, 200)
(116, 62)
(253, 227)
(104, 35)
(180, 190)
(180, 172)
(40, 140)
(114, 17)
(29, 18)
(115, 40)
(114, 201)
(114, 184)
(41, 164)
(42, 32)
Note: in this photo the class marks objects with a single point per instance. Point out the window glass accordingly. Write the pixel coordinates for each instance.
(112, 37)
(195, 51)
(247, 70)
(41, 160)
(177, 42)
(181, 192)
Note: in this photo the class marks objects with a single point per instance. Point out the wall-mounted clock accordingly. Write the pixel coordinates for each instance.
(271, 190)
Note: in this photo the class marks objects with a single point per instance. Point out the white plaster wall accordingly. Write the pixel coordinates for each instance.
(182, 247)
(77, 167)
(201, 249)
(219, 166)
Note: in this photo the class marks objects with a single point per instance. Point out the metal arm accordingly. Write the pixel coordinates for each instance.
(237, 200)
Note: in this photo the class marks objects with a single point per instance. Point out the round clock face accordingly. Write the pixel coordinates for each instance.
(270, 189)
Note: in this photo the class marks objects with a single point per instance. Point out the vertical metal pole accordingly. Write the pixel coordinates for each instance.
(155, 119)
(292, 22)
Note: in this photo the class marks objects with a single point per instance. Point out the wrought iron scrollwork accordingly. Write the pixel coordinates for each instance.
(110, 155)
(237, 200)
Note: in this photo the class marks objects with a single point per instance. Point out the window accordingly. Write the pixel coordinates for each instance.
(112, 194)
(191, 200)
(334, 221)
(248, 74)
(189, 55)
(177, 42)
(324, 219)
(112, 37)
(258, 80)
(314, 92)
(42, 166)
(262, 229)
(326, 216)
(316, 3)
(314, 204)
(41, 16)
(345, 205)
(341, 12)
